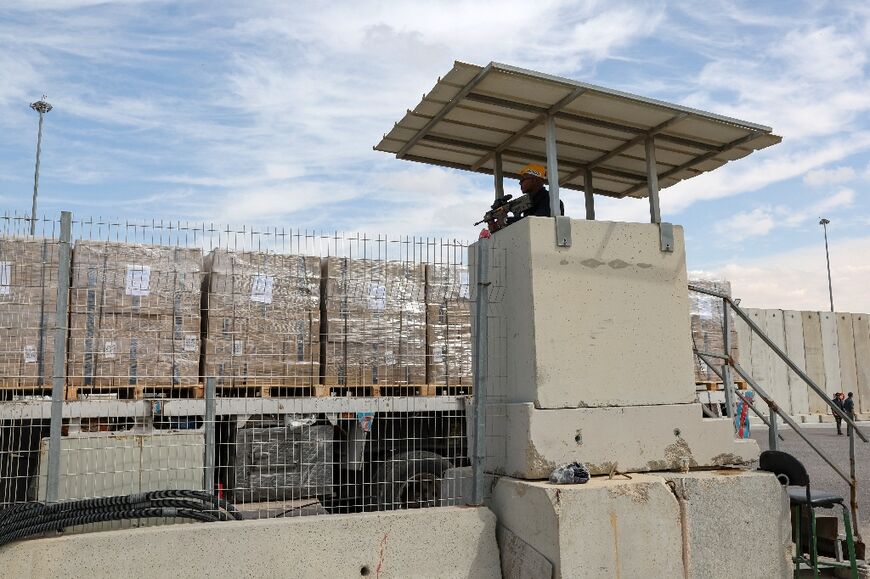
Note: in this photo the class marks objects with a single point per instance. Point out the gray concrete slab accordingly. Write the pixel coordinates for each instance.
(441, 542)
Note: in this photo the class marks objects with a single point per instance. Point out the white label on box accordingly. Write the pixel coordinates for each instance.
(261, 289)
(437, 355)
(110, 349)
(463, 285)
(29, 354)
(190, 342)
(5, 278)
(138, 280)
(390, 357)
(377, 297)
(238, 347)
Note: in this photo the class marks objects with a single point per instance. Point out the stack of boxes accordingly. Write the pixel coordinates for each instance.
(261, 319)
(28, 298)
(707, 314)
(374, 323)
(134, 315)
(448, 326)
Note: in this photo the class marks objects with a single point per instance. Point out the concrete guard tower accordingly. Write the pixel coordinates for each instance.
(591, 341)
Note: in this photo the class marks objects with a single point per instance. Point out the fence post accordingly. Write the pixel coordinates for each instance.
(208, 474)
(480, 371)
(58, 374)
(728, 384)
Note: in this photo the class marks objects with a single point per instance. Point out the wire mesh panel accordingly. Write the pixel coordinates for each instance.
(286, 371)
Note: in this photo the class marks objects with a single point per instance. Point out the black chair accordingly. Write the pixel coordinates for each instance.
(791, 473)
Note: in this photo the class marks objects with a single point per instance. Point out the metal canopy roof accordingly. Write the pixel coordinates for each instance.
(475, 113)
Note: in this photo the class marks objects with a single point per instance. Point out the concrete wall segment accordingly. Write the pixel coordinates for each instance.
(815, 358)
(861, 330)
(794, 347)
(446, 542)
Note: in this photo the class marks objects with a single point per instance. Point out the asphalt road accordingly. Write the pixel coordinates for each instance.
(822, 476)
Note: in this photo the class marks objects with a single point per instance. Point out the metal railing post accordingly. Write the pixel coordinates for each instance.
(480, 372)
(773, 431)
(58, 381)
(853, 484)
(208, 474)
(728, 384)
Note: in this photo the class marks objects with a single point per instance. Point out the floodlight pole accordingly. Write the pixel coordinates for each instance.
(41, 107)
(824, 223)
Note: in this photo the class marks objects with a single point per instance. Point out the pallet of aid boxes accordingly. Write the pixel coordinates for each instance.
(374, 330)
(28, 298)
(707, 322)
(448, 329)
(134, 320)
(262, 323)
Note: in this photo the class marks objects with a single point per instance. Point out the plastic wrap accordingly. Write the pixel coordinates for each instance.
(448, 325)
(374, 322)
(707, 324)
(262, 318)
(283, 463)
(134, 315)
(28, 298)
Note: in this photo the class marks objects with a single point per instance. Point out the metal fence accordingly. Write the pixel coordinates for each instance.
(288, 371)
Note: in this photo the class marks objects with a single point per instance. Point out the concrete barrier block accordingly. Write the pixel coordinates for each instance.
(627, 439)
(737, 524)
(625, 340)
(605, 528)
(440, 542)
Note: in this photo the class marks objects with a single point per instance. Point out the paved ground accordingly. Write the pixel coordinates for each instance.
(836, 447)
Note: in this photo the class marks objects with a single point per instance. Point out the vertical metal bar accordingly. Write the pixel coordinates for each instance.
(208, 475)
(61, 321)
(553, 166)
(589, 192)
(652, 179)
(498, 176)
(773, 431)
(481, 354)
(853, 483)
(728, 384)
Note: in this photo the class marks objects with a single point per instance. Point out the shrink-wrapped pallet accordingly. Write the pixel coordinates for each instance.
(707, 315)
(134, 315)
(262, 319)
(28, 298)
(374, 323)
(448, 325)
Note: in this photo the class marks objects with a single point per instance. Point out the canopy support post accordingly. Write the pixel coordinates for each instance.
(498, 177)
(589, 192)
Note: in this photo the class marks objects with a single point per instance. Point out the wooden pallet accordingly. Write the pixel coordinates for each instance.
(716, 385)
(135, 391)
(265, 390)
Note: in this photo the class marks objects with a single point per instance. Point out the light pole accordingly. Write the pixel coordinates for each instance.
(824, 223)
(41, 107)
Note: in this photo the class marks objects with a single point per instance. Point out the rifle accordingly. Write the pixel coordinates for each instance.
(496, 217)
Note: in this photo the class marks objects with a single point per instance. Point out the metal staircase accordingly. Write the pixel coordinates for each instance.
(724, 366)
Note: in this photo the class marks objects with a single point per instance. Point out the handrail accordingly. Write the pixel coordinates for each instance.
(729, 362)
(788, 362)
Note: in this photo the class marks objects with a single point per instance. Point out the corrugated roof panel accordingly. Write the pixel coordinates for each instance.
(474, 110)
(616, 110)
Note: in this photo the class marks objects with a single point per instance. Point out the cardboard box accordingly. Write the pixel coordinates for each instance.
(262, 319)
(374, 330)
(134, 315)
(28, 301)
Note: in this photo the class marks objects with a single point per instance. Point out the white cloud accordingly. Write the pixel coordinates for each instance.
(828, 177)
(797, 279)
(754, 223)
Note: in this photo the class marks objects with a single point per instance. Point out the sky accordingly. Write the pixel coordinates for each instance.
(265, 113)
